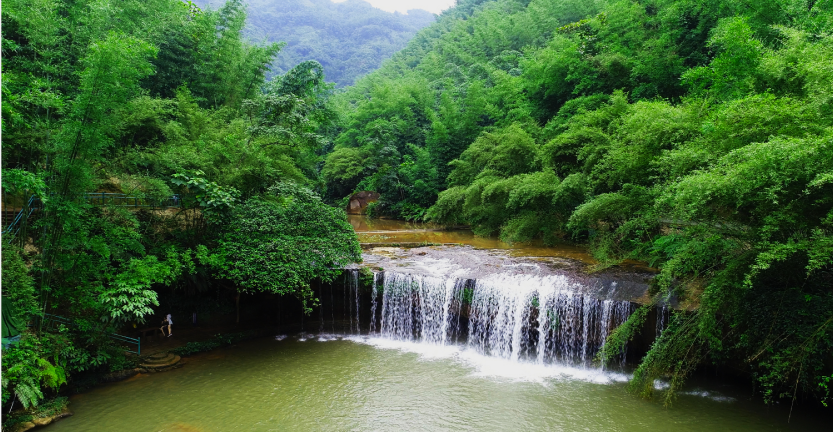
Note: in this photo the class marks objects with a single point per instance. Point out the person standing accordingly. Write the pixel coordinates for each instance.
(170, 324)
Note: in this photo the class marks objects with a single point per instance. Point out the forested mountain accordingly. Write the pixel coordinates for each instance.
(349, 39)
(109, 109)
(694, 135)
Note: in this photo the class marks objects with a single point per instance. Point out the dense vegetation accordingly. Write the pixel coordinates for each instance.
(349, 38)
(150, 98)
(695, 135)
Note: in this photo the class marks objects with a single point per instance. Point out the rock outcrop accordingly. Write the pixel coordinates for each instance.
(359, 201)
(40, 421)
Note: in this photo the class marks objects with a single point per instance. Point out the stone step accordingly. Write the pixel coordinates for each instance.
(157, 362)
(158, 355)
(162, 360)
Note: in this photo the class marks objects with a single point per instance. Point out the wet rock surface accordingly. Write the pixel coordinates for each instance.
(41, 421)
(628, 282)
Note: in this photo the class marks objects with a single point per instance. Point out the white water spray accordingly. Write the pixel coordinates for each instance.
(507, 316)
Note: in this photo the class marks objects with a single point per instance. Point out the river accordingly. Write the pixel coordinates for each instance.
(475, 336)
(376, 384)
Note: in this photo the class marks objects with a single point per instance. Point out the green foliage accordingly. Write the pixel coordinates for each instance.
(343, 167)
(282, 242)
(210, 196)
(128, 296)
(21, 182)
(349, 38)
(695, 136)
(824, 382)
(18, 285)
(25, 372)
(146, 98)
(44, 409)
(730, 75)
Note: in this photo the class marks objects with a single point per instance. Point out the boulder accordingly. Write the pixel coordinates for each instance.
(358, 202)
(43, 421)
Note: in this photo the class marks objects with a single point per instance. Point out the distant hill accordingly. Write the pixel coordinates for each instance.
(349, 39)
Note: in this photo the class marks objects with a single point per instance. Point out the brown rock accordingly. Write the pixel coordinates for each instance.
(63, 414)
(359, 201)
(43, 421)
(21, 427)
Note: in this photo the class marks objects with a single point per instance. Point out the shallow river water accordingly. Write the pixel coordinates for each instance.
(364, 384)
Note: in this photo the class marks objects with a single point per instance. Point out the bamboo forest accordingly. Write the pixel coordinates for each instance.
(510, 215)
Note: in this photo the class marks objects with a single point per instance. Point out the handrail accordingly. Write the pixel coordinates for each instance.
(124, 200)
(115, 336)
(118, 199)
(19, 217)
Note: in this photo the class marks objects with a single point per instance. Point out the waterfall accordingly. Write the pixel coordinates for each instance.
(352, 300)
(374, 292)
(663, 314)
(546, 319)
(332, 310)
(358, 304)
(419, 307)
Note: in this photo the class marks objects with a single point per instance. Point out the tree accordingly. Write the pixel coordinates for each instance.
(693, 135)
(281, 242)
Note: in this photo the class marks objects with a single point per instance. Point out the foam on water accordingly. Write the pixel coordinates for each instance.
(709, 395)
(493, 367)
(498, 368)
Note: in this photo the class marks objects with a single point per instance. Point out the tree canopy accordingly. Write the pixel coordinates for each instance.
(283, 241)
(349, 39)
(167, 104)
(692, 135)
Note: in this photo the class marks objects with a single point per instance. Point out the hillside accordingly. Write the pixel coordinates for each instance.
(349, 39)
(696, 136)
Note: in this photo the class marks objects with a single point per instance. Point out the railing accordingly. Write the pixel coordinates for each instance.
(124, 200)
(95, 198)
(14, 227)
(49, 322)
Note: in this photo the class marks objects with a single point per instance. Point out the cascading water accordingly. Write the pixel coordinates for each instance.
(419, 307)
(509, 316)
(374, 293)
(351, 302)
(358, 303)
(663, 315)
(540, 317)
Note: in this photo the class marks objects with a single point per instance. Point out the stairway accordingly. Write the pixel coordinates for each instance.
(160, 362)
(8, 217)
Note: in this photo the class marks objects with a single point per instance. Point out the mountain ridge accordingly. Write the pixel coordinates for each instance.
(350, 39)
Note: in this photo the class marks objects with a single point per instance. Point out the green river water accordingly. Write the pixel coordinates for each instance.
(380, 385)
